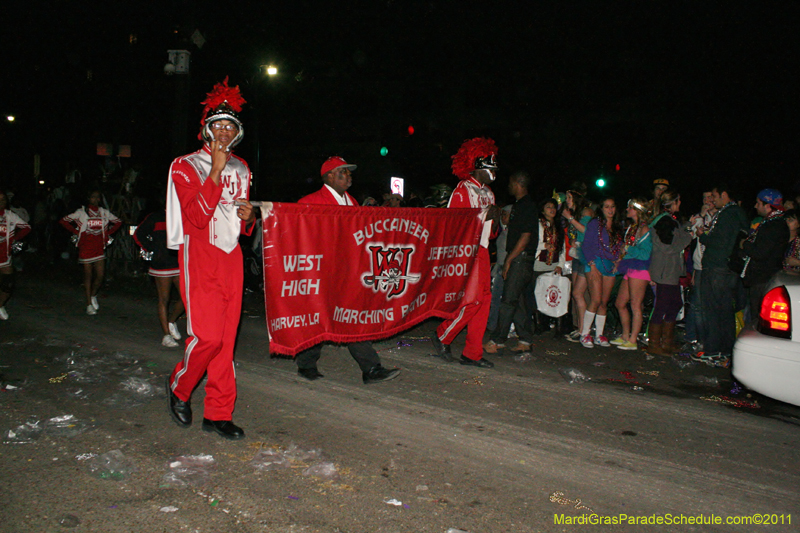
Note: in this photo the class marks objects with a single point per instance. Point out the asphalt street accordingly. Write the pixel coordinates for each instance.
(517, 448)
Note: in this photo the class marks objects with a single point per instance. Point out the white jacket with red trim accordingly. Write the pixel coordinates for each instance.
(197, 207)
(470, 193)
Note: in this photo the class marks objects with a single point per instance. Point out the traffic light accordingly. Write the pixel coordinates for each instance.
(600, 183)
(384, 151)
(410, 130)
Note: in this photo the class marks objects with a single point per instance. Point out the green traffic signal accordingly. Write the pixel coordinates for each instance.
(600, 183)
(384, 150)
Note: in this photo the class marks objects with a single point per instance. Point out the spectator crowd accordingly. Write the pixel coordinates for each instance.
(709, 270)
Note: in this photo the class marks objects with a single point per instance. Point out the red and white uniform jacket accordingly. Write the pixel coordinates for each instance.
(199, 208)
(470, 193)
(12, 228)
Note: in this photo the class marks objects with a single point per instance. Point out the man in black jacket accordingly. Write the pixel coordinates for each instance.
(720, 284)
(763, 249)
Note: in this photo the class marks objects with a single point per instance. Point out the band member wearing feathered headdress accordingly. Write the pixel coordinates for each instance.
(475, 164)
(207, 210)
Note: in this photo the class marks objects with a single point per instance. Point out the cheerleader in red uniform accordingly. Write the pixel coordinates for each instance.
(93, 225)
(151, 236)
(12, 228)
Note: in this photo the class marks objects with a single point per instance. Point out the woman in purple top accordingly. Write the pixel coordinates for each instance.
(602, 248)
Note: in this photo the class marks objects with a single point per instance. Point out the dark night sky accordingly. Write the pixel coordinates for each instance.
(693, 91)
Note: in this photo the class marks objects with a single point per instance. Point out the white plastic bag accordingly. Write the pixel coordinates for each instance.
(552, 294)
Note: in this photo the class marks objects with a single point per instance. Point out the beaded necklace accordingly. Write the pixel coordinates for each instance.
(794, 252)
(716, 217)
(549, 237)
(769, 218)
(630, 234)
(615, 242)
(774, 215)
(629, 240)
(572, 232)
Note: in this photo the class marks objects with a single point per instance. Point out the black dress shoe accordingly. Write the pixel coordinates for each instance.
(225, 428)
(378, 374)
(482, 362)
(442, 350)
(180, 411)
(309, 373)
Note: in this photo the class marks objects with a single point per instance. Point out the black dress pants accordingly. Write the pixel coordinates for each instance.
(363, 352)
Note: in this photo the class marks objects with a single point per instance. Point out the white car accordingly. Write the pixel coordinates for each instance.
(767, 359)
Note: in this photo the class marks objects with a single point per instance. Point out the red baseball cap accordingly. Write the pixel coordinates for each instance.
(333, 163)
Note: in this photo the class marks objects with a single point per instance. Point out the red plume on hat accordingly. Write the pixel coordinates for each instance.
(222, 94)
(471, 150)
(222, 103)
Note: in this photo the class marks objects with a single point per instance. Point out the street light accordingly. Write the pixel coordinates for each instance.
(11, 118)
(269, 70)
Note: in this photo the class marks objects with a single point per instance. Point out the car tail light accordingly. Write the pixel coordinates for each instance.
(776, 313)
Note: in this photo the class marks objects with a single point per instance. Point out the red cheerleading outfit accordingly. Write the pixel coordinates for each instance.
(12, 228)
(93, 226)
(471, 194)
(203, 226)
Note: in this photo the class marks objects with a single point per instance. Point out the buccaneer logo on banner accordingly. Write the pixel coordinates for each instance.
(390, 270)
(350, 274)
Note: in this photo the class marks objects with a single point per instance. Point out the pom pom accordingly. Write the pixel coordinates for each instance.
(464, 160)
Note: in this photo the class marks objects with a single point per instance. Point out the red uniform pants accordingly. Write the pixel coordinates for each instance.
(211, 288)
(473, 316)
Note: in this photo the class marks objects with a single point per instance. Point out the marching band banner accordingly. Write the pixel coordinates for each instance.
(350, 274)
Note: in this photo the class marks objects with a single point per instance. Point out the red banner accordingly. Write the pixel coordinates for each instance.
(349, 274)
